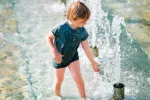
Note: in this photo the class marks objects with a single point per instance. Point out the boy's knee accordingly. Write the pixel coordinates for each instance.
(59, 80)
(77, 78)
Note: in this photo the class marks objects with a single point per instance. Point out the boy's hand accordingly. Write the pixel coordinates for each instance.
(95, 66)
(57, 56)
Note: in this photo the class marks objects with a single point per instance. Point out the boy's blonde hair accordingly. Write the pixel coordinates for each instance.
(78, 10)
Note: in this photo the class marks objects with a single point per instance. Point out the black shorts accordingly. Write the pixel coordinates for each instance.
(64, 62)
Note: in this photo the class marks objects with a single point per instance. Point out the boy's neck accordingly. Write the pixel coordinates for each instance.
(72, 25)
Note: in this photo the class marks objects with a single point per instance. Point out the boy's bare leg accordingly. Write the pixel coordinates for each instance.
(74, 68)
(58, 79)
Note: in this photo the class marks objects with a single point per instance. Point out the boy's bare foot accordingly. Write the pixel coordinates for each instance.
(85, 99)
(58, 97)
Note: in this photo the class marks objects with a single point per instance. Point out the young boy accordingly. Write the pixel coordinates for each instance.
(67, 38)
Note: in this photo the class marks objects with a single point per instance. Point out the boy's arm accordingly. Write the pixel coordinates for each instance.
(55, 54)
(88, 52)
(87, 49)
(49, 39)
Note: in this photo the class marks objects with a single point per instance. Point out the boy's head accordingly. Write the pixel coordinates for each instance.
(79, 12)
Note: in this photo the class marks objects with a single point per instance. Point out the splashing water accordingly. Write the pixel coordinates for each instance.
(122, 58)
(108, 37)
(116, 49)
